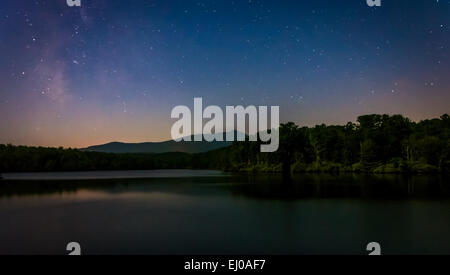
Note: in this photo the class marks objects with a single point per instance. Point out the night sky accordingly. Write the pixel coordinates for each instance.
(112, 70)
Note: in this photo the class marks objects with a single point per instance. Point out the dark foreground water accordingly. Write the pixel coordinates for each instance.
(206, 212)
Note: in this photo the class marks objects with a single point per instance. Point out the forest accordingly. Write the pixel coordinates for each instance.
(374, 144)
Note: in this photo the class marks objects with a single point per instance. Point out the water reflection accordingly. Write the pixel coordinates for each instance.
(344, 186)
(237, 214)
(268, 186)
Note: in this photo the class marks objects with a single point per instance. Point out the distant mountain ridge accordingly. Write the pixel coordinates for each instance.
(160, 147)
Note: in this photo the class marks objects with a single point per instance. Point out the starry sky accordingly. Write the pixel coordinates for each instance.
(112, 70)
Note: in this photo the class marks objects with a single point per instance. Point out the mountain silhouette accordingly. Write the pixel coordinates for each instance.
(160, 147)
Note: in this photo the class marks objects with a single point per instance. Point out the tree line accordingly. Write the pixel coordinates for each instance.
(37, 159)
(375, 144)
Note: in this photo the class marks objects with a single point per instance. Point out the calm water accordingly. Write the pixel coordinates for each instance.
(207, 212)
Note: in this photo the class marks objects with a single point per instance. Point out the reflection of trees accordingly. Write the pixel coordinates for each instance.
(258, 186)
(344, 186)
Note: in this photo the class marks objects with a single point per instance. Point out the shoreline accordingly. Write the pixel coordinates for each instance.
(110, 174)
(183, 173)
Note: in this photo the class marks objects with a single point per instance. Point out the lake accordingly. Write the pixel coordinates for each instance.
(210, 212)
